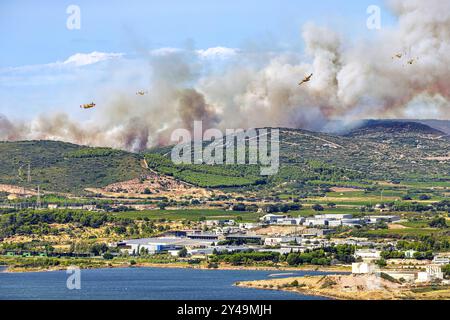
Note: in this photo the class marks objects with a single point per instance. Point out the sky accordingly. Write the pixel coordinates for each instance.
(44, 66)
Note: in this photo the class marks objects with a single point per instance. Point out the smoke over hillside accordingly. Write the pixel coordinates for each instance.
(351, 81)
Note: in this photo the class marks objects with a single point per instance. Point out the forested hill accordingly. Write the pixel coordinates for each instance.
(64, 167)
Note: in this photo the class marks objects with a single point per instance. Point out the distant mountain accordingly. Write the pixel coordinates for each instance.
(376, 128)
(344, 127)
(442, 125)
(376, 151)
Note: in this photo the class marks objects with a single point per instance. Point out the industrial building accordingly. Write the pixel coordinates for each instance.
(159, 245)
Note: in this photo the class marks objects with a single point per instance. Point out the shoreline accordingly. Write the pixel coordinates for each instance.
(306, 268)
(305, 292)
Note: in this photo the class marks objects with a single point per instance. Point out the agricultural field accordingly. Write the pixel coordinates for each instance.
(190, 215)
(206, 175)
(406, 233)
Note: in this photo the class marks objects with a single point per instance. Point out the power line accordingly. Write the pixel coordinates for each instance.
(38, 199)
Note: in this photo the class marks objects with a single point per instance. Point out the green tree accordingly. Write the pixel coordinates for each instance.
(293, 259)
(381, 263)
(317, 207)
(438, 223)
(108, 256)
(183, 253)
(446, 270)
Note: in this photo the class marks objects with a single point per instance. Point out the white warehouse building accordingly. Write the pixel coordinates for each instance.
(368, 254)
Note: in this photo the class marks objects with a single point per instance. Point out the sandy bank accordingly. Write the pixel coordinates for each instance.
(351, 287)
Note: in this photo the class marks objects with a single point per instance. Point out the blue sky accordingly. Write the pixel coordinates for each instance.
(34, 33)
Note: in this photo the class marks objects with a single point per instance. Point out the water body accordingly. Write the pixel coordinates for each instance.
(144, 284)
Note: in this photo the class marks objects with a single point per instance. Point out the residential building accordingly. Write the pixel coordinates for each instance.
(409, 254)
(248, 226)
(288, 221)
(272, 218)
(312, 222)
(334, 223)
(386, 218)
(442, 260)
(432, 272)
(212, 223)
(368, 254)
(272, 241)
(364, 268)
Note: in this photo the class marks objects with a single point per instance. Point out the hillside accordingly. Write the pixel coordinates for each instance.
(344, 127)
(377, 151)
(442, 125)
(377, 128)
(381, 151)
(64, 167)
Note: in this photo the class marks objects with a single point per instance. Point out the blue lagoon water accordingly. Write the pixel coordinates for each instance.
(144, 284)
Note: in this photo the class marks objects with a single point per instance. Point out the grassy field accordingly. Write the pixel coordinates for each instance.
(349, 201)
(426, 185)
(363, 198)
(416, 224)
(189, 214)
(408, 232)
(359, 184)
(208, 176)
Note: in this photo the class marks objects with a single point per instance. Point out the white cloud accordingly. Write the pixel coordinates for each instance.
(165, 51)
(209, 53)
(76, 60)
(56, 72)
(83, 59)
(217, 53)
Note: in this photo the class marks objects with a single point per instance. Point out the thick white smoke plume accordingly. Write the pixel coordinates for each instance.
(350, 81)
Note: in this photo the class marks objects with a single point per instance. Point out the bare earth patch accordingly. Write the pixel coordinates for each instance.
(16, 190)
(279, 230)
(394, 226)
(350, 287)
(439, 158)
(152, 185)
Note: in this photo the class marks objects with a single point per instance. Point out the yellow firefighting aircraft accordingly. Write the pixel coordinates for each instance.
(87, 105)
(141, 93)
(306, 79)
